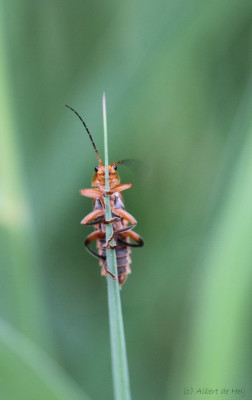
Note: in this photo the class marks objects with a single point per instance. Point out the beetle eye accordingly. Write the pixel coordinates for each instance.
(96, 169)
(115, 167)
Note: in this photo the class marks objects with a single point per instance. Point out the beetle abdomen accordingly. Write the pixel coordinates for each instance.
(123, 258)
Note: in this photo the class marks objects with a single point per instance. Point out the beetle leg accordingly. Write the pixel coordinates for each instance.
(107, 245)
(90, 238)
(121, 187)
(93, 193)
(127, 228)
(124, 214)
(134, 236)
(91, 216)
(110, 221)
(117, 188)
(110, 273)
(95, 222)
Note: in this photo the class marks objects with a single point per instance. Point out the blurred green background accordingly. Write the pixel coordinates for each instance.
(178, 81)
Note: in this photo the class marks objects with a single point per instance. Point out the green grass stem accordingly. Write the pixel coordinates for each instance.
(117, 338)
(20, 274)
(28, 372)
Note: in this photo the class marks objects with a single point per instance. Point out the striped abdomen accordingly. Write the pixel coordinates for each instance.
(122, 257)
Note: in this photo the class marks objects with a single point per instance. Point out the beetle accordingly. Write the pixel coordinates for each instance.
(122, 222)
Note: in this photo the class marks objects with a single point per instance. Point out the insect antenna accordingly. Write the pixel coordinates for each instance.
(89, 134)
(132, 163)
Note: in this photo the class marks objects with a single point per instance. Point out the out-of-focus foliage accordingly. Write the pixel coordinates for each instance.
(177, 76)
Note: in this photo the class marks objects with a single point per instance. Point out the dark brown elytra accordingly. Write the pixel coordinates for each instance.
(123, 222)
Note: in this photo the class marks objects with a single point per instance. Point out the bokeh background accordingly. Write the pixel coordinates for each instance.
(178, 81)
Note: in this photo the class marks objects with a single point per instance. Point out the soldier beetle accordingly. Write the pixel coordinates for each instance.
(123, 222)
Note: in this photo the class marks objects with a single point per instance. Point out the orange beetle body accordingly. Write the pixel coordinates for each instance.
(123, 222)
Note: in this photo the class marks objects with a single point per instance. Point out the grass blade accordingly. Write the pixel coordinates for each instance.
(28, 372)
(117, 338)
(21, 293)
